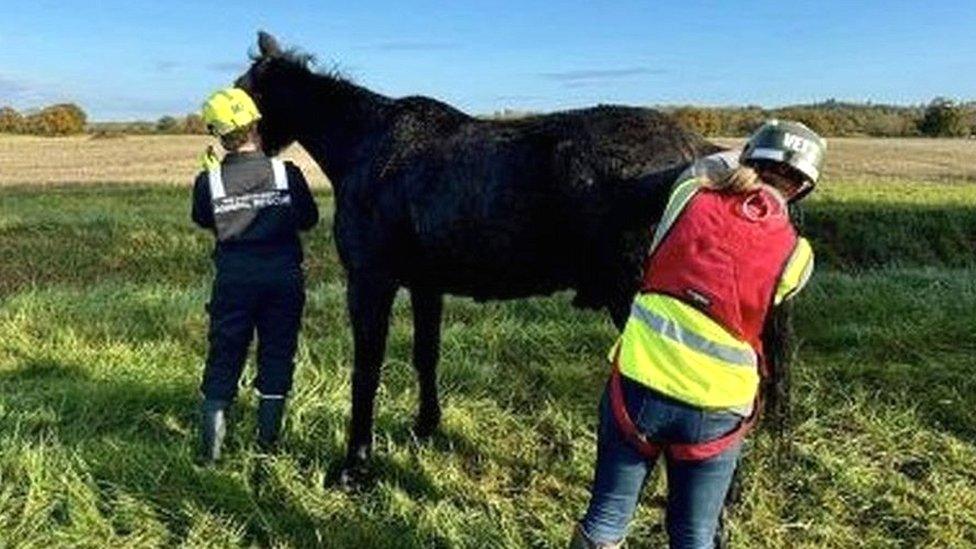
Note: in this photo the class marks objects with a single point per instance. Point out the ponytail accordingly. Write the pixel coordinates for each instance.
(741, 180)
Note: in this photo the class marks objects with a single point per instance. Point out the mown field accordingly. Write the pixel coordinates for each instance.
(103, 281)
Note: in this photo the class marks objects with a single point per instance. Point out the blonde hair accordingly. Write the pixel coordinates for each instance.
(741, 180)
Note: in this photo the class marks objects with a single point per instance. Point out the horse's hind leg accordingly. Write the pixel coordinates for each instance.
(427, 309)
(370, 298)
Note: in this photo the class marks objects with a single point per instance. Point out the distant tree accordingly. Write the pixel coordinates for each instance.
(61, 119)
(816, 119)
(743, 121)
(10, 121)
(883, 124)
(167, 124)
(193, 123)
(140, 127)
(704, 121)
(943, 118)
(76, 114)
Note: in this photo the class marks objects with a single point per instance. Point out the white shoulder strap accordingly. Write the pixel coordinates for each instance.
(216, 184)
(280, 175)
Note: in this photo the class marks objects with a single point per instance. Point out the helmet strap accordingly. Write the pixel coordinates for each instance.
(804, 190)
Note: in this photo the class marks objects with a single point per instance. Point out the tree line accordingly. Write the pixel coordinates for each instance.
(940, 118)
(70, 119)
(166, 125)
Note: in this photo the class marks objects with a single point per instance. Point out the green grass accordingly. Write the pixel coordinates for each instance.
(102, 339)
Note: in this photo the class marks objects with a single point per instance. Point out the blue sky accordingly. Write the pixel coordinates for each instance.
(140, 59)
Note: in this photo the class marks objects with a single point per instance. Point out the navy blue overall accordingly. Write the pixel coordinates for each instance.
(255, 207)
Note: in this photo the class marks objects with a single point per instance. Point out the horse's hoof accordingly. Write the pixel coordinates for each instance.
(353, 475)
(426, 424)
(352, 479)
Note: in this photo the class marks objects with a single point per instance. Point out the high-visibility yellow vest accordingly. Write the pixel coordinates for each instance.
(694, 333)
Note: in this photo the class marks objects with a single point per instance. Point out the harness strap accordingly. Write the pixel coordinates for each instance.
(694, 451)
(647, 449)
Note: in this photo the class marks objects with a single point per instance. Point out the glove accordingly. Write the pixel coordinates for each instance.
(209, 158)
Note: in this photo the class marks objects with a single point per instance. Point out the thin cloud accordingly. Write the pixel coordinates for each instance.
(11, 89)
(166, 66)
(15, 91)
(218, 66)
(226, 66)
(587, 76)
(407, 45)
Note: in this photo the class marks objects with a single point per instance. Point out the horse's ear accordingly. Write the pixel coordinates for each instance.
(268, 45)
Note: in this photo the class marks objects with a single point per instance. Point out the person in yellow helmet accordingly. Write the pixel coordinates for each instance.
(255, 206)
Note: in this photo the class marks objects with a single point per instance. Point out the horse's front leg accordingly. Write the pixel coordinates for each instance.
(428, 306)
(369, 298)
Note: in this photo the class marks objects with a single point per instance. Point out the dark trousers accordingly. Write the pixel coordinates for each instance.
(271, 303)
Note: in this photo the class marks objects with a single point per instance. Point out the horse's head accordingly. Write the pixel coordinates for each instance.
(278, 82)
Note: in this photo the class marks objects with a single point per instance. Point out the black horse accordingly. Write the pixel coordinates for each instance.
(434, 200)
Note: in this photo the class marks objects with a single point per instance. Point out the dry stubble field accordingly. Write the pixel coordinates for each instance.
(173, 159)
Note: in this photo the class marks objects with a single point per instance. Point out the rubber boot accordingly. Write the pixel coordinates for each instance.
(270, 413)
(213, 428)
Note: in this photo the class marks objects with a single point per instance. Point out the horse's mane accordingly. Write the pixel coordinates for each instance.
(306, 63)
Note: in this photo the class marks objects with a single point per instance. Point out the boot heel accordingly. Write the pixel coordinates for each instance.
(271, 410)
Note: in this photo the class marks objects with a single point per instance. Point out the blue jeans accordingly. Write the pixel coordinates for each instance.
(696, 489)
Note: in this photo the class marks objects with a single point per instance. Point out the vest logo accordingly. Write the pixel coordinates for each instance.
(253, 201)
(796, 143)
(699, 299)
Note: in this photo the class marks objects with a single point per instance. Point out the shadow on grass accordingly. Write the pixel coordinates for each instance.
(877, 234)
(137, 440)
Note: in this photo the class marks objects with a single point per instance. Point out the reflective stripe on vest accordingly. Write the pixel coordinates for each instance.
(216, 180)
(216, 183)
(797, 272)
(280, 176)
(664, 337)
(668, 328)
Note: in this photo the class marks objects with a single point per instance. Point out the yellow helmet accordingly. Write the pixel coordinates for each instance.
(228, 110)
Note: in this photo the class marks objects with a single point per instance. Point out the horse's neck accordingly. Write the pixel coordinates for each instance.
(338, 136)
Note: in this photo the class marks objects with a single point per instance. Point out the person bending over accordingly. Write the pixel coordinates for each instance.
(688, 366)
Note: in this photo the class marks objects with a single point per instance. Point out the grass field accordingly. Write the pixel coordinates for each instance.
(103, 331)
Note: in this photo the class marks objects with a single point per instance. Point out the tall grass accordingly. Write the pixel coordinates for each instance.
(103, 335)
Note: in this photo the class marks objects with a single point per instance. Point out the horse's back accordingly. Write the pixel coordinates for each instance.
(502, 209)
